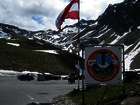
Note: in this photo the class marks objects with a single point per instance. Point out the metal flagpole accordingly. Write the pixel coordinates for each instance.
(78, 41)
(83, 99)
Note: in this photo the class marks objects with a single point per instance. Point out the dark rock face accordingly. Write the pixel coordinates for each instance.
(122, 17)
(130, 76)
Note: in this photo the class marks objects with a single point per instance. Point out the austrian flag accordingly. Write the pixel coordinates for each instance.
(71, 11)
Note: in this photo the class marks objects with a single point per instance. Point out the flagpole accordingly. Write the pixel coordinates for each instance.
(83, 98)
(78, 42)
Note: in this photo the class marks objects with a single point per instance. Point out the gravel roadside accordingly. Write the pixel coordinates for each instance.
(62, 100)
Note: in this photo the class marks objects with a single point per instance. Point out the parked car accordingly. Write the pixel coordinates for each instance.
(64, 77)
(25, 77)
(46, 77)
(71, 78)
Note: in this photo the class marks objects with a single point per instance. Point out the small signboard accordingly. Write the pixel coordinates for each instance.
(103, 64)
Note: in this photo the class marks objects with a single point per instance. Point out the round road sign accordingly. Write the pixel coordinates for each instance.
(103, 65)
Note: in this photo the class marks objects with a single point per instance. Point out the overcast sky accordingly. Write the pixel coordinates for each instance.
(41, 14)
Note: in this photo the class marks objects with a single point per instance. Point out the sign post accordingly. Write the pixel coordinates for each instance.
(103, 64)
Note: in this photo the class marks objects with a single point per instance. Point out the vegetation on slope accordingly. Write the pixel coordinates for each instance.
(25, 58)
(106, 95)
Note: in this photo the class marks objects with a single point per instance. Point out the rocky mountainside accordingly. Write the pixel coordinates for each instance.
(119, 24)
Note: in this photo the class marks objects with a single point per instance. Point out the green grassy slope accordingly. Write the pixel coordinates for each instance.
(24, 58)
(106, 95)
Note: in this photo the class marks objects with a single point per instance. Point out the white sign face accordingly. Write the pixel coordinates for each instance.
(103, 65)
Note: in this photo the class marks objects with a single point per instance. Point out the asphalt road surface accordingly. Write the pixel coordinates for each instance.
(15, 92)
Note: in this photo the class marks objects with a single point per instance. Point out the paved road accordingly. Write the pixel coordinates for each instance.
(15, 92)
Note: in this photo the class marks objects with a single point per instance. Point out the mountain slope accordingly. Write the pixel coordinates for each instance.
(34, 57)
(119, 24)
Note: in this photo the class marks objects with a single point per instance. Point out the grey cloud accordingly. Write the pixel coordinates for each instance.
(20, 12)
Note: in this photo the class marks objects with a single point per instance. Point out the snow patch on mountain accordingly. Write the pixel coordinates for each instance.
(3, 35)
(118, 38)
(47, 51)
(127, 47)
(130, 56)
(13, 44)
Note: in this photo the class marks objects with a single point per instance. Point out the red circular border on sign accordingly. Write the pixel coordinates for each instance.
(91, 71)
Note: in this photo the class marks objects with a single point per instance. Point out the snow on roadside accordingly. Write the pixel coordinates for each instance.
(1, 74)
(25, 72)
(8, 73)
(14, 73)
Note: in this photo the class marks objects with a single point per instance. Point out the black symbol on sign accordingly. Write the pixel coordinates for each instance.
(102, 64)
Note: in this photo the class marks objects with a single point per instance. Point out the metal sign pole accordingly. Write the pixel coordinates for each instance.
(83, 88)
(123, 71)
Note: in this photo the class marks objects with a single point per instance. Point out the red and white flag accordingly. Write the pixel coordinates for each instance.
(71, 11)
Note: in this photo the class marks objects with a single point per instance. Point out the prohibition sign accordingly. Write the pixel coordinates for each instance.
(103, 65)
